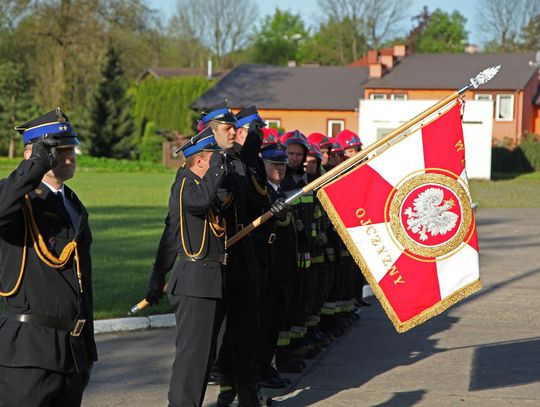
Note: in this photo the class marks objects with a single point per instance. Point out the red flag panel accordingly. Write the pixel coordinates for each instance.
(443, 142)
(364, 189)
(411, 286)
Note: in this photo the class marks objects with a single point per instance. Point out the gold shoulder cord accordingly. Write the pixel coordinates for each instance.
(217, 229)
(182, 227)
(42, 251)
(260, 190)
(23, 264)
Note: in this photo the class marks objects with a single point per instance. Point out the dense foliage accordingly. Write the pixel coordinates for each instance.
(166, 102)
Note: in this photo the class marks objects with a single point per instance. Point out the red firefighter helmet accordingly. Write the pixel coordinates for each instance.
(294, 137)
(320, 139)
(314, 151)
(336, 146)
(270, 136)
(348, 139)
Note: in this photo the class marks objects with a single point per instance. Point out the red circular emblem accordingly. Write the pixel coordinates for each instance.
(431, 214)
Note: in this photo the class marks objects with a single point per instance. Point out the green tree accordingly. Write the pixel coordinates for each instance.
(530, 35)
(335, 43)
(440, 32)
(17, 104)
(278, 38)
(111, 125)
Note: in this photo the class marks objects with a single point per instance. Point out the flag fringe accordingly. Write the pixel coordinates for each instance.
(400, 326)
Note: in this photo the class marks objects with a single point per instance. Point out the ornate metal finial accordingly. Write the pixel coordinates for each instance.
(484, 76)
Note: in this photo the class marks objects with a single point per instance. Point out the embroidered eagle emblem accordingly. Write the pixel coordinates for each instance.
(431, 214)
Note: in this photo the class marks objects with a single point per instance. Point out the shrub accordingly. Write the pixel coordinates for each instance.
(530, 146)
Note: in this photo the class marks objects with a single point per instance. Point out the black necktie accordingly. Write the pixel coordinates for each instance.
(72, 215)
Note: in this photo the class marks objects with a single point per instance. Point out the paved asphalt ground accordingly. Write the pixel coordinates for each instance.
(484, 351)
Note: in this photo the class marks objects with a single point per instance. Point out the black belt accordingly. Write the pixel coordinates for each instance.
(67, 325)
(218, 258)
(268, 238)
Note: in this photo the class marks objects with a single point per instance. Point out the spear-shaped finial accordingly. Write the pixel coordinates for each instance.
(484, 76)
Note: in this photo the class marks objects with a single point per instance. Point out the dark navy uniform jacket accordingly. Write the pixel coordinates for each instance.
(197, 198)
(44, 290)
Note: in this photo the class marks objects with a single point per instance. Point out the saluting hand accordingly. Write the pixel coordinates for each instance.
(45, 151)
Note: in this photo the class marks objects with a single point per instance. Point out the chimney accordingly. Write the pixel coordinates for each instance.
(471, 49)
(400, 50)
(387, 61)
(375, 70)
(372, 56)
(291, 64)
(209, 69)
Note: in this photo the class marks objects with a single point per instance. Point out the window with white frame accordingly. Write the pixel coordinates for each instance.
(483, 96)
(377, 96)
(398, 96)
(504, 108)
(273, 123)
(335, 127)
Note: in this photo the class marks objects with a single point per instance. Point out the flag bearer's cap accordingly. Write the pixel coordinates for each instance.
(203, 141)
(246, 116)
(294, 137)
(53, 125)
(219, 113)
(348, 139)
(320, 139)
(270, 136)
(274, 153)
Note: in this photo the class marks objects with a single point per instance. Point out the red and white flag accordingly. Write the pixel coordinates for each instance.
(406, 217)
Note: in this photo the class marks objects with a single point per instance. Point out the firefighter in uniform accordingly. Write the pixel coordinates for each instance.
(333, 322)
(47, 344)
(325, 145)
(237, 358)
(319, 264)
(352, 144)
(297, 147)
(193, 233)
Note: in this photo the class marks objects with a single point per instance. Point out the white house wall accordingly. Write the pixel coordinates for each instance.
(379, 117)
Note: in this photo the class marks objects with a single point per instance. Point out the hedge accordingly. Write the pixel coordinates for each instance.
(523, 158)
(166, 103)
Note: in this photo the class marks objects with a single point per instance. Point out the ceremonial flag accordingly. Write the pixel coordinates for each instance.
(406, 218)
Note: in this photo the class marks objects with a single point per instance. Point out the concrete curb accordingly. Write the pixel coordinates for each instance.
(104, 326)
(132, 324)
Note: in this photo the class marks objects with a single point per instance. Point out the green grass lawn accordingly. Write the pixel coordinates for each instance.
(127, 210)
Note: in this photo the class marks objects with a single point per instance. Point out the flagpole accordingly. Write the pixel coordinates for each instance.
(479, 79)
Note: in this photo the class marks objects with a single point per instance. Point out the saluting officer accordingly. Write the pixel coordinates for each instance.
(194, 233)
(237, 355)
(47, 343)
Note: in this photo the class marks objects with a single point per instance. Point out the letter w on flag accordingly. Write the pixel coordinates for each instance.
(406, 217)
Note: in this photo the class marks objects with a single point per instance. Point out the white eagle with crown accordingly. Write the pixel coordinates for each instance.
(431, 214)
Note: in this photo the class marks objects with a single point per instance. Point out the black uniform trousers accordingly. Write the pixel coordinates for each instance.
(35, 387)
(277, 304)
(237, 357)
(196, 328)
